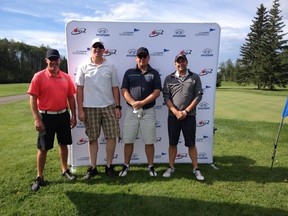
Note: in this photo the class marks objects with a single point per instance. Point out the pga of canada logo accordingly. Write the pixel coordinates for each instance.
(201, 139)
(77, 31)
(115, 156)
(205, 33)
(102, 32)
(156, 33)
(129, 33)
(179, 33)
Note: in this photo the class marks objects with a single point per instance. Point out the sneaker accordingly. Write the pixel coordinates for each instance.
(109, 171)
(38, 183)
(68, 175)
(124, 170)
(168, 172)
(198, 175)
(152, 171)
(90, 173)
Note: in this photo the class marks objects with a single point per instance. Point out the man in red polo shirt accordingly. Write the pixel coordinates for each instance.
(50, 90)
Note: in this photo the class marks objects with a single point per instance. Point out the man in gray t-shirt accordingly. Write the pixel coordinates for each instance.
(182, 92)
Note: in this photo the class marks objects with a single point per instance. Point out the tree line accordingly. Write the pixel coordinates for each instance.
(19, 61)
(264, 56)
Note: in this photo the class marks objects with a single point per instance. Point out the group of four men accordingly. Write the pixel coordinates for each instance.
(98, 101)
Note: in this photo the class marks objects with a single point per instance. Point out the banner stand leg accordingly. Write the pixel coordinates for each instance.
(214, 166)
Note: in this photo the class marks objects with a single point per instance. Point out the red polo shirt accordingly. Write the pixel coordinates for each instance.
(51, 92)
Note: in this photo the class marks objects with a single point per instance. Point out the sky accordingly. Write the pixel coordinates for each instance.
(39, 22)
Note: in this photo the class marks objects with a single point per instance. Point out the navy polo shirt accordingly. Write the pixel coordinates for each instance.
(141, 85)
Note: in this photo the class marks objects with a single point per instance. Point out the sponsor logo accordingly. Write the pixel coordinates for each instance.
(158, 139)
(206, 87)
(156, 33)
(160, 53)
(82, 141)
(80, 125)
(207, 52)
(203, 123)
(131, 53)
(102, 141)
(109, 52)
(129, 33)
(203, 106)
(186, 52)
(102, 32)
(202, 155)
(83, 159)
(80, 52)
(134, 156)
(179, 33)
(77, 31)
(115, 156)
(159, 107)
(159, 156)
(201, 139)
(181, 155)
(158, 124)
(205, 33)
(205, 72)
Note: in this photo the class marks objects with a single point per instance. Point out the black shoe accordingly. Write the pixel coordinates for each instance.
(90, 173)
(67, 174)
(38, 183)
(109, 171)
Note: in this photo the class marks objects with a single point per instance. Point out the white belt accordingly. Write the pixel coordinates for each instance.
(52, 112)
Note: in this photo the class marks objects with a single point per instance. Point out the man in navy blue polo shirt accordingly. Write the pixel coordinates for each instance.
(140, 88)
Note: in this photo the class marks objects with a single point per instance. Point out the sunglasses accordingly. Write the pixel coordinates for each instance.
(142, 56)
(98, 45)
(53, 59)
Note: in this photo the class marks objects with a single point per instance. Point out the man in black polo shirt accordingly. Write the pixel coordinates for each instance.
(140, 88)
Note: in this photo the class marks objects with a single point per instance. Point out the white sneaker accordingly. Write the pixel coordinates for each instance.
(168, 172)
(124, 170)
(198, 175)
(152, 171)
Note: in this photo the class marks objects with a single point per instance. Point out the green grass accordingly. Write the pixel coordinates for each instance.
(13, 89)
(243, 184)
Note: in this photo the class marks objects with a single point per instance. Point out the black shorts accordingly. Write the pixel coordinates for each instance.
(187, 126)
(58, 124)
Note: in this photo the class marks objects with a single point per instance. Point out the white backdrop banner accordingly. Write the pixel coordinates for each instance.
(199, 41)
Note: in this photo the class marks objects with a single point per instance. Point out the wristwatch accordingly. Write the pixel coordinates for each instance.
(118, 107)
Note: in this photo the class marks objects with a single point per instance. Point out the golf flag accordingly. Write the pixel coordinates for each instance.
(285, 111)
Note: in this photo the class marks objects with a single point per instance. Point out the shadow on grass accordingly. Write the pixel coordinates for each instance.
(131, 204)
(239, 168)
(230, 169)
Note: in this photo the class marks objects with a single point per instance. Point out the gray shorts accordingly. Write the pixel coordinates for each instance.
(145, 125)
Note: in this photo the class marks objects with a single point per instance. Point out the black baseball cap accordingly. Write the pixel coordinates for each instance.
(143, 51)
(52, 53)
(180, 55)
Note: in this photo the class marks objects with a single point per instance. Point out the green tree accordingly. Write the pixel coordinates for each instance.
(261, 59)
(253, 51)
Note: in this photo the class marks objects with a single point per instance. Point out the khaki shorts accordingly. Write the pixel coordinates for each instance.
(146, 125)
(101, 117)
